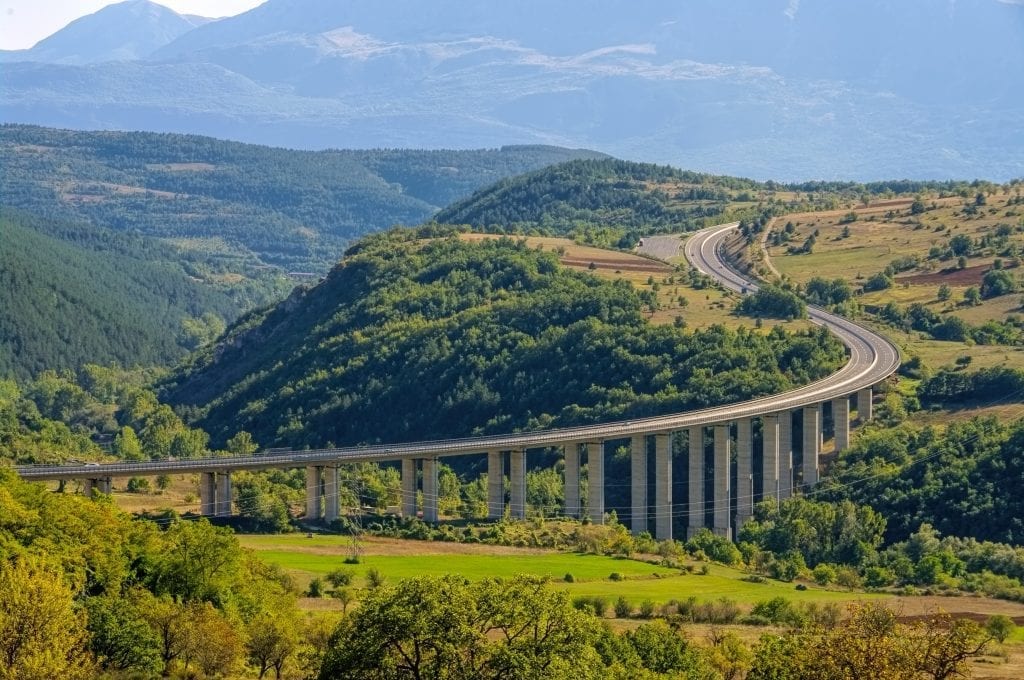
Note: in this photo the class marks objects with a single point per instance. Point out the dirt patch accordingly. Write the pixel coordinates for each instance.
(181, 167)
(968, 276)
(637, 265)
(964, 606)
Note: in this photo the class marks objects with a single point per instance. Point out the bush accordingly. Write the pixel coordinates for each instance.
(615, 576)
(138, 485)
(374, 579)
(316, 588)
(568, 578)
(591, 603)
(773, 302)
(340, 577)
(879, 281)
(623, 609)
(824, 574)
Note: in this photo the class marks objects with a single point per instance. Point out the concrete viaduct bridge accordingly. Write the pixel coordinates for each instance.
(872, 359)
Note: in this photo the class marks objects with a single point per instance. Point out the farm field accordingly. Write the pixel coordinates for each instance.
(857, 242)
(306, 558)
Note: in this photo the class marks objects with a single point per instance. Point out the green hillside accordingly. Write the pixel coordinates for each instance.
(410, 338)
(619, 196)
(72, 294)
(293, 209)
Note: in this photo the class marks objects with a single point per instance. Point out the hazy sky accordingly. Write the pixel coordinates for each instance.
(23, 23)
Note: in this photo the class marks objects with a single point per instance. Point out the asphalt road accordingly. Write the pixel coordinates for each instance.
(872, 359)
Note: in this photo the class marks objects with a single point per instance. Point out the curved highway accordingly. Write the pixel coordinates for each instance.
(872, 359)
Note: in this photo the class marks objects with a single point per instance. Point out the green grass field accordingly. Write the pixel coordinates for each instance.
(306, 558)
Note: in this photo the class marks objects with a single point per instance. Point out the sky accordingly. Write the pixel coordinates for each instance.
(23, 23)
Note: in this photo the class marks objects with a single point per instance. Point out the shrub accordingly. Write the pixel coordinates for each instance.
(623, 609)
(340, 577)
(824, 574)
(615, 576)
(646, 609)
(316, 588)
(374, 579)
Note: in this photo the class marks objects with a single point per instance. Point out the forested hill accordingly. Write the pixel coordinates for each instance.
(599, 194)
(410, 338)
(71, 294)
(294, 209)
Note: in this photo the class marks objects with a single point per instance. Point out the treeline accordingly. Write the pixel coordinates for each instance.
(101, 297)
(294, 209)
(472, 338)
(918, 317)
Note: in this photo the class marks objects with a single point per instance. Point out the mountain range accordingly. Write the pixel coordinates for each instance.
(777, 89)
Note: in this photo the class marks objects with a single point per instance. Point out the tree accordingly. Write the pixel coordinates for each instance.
(209, 640)
(242, 444)
(42, 636)
(127, 445)
(272, 638)
(999, 626)
(198, 562)
(972, 297)
(444, 627)
(120, 636)
(168, 620)
(961, 244)
(997, 282)
(945, 293)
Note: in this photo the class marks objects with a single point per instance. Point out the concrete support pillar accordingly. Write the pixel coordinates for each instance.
(430, 511)
(314, 493)
(207, 494)
(841, 422)
(770, 458)
(495, 485)
(812, 445)
(785, 455)
(88, 487)
(595, 482)
(744, 471)
(864, 405)
(409, 485)
(331, 504)
(638, 483)
(722, 525)
(663, 487)
(225, 495)
(105, 485)
(695, 486)
(517, 480)
(572, 479)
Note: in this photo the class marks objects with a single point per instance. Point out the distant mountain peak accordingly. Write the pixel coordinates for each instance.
(123, 31)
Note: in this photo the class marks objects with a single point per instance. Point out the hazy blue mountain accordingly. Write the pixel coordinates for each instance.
(764, 88)
(122, 32)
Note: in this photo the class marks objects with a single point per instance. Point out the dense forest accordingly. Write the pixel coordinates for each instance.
(293, 209)
(965, 481)
(72, 294)
(413, 338)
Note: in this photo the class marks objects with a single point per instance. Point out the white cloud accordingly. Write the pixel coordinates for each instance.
(792, 8)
